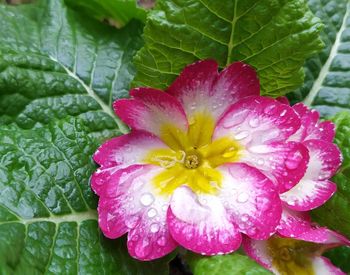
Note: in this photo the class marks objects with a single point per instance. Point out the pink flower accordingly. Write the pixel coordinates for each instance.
(207, 161)
(301, 255)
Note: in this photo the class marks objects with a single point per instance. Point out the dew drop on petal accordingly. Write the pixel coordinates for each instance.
(154, 227)
(161, 241)
(244, 218)
(293, 160)
(241, 135)
(132, 221)
(261, 161)
(242, 197)
(147, 199)
(152, 213)
(254, 122)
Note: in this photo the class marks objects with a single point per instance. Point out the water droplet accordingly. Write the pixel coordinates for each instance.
(269, 108)
(152, 213)
(243, 197)
(244, 218)
(147, 199)
(132, 221)
(241, 135)
(261, 161)
(154, 227)
(283, 113)
(254, 122)
(230, 152)
(293, 160)
(161, 241)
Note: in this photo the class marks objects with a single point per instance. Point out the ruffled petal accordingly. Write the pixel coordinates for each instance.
(257, 121)
(201, 89)
(323, 266)
(294, 223)
(285, 163)
(314, 189)
(310, 127)
(127, 149)
(298, 225)
(151, 110)
(250, 199)
(200, 223)
(138, 209)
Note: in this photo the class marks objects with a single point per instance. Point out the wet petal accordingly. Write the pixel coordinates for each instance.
(311, 127)
(127, 149)
(138, 209)
(151, 110)
(201, 89)
(200, 224)
(250, 199)
(315, 189)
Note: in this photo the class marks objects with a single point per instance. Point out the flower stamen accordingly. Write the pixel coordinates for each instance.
(192, 161)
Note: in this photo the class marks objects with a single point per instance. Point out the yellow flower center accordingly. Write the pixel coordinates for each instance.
(291, 256)
(192, 157)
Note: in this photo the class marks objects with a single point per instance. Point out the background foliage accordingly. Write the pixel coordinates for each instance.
(60, 70)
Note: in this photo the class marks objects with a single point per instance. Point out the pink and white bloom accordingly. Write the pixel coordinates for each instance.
(301, 255)
(206, 161)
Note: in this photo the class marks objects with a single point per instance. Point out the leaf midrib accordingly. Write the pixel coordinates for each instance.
(318, 83)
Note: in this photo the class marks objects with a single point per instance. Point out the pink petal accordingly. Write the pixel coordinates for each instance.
(283, 100)
(137, 208)
(127, 149)
(298, 225)
(257, 121)
(314, 189)
(323, 266)
(150, 110)
(294, 223)
(200, 88)
(310, 127)
(258, 251)
(285, 163)
(250, 199)
(200, 224)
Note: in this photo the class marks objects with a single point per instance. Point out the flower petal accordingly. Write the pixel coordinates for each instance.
(323, 266)
(298, 225)
(151, 110)
(310, 127)
(258, 251)
(200, 88)
(284, 163)
(257, 121)
(199, 223)
(250, 199)
(127, 149)
(136, 208)
(314, 189)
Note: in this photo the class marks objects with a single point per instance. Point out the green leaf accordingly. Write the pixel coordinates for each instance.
(233, 264)
(59, 73)
(327, 82)
(266, 34)
(335, 213)
(117, 12)
(340, 256)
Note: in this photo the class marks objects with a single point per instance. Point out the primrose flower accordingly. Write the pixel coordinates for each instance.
(300, 255)
(205, 162)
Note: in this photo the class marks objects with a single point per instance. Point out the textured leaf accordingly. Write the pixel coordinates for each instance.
(233, 264)
(327, 85)
(335, 213)
(59, 73)
(117, 12)
(266, 34)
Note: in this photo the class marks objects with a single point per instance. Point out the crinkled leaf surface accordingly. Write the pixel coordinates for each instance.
(233, 264)
(266, 34)
(327, 83)
(59, 73)
(117, 12)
